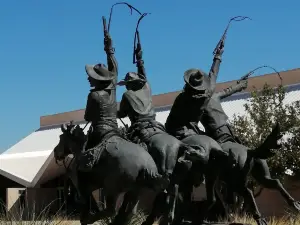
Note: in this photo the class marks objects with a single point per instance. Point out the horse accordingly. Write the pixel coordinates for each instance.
(122, 167)
(203, 163)
(235, 170)
(261, 173)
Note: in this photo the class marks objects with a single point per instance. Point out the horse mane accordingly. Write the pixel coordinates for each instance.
(123, 131)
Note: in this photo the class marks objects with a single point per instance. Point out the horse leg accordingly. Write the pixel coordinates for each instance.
(261, 173)
(238, 206)
(93, 204)
(164, 205)
(84, 209)
(232, 200)
(157, 208)
(84, 198)
(212, 174)
(172, 203)
(179, 174)
(128, 208)
(249, 198)
(220, 210)
(108, 212)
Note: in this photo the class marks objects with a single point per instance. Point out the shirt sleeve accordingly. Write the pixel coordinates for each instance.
(91, 100)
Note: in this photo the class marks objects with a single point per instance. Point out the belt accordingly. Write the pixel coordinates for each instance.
(137, 127)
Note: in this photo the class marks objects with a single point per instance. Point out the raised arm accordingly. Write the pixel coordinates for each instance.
(214, 70)
(140, 62)
(110, 52)
(233, 89)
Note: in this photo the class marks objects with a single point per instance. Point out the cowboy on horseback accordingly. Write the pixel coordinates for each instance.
(136, 103)
(101, 104)
(188, 107)
(165, 149)
(103, 157)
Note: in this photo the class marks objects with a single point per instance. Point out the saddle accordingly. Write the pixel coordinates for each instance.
(141, 131)
(145, 129)
(90, 157)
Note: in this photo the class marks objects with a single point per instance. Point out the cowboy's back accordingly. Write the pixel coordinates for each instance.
(101, 109)
(187, 112)
(140, 104)
(136, 103)
(101, 105)
(184, 115)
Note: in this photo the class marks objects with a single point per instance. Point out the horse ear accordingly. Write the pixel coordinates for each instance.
(78, 127)
(63, 127)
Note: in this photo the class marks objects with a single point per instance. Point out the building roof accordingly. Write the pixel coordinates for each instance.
(30, 162)
(164, 100)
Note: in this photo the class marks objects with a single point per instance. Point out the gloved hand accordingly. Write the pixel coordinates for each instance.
(243, 83)
(220, 50)
(138, 52)
(107, 43)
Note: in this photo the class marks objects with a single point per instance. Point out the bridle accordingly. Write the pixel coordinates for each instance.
(76, 140)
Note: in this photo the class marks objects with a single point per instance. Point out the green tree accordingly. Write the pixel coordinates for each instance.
(262, 110)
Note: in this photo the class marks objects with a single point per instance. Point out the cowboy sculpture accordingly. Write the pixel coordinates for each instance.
(153, 155)
(186, 111)
(105, 160)
(200, 103)
(101, 105)
(165, 149)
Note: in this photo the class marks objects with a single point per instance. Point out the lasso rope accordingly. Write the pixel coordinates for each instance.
(260, 67)
(121, 3)
(222, 40)
(137, 35)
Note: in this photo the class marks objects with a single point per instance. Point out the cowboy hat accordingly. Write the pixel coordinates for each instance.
(132, 77)
(196, 79)
(99, 72)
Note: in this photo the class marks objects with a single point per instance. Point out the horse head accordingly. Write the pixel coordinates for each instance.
(70, 141)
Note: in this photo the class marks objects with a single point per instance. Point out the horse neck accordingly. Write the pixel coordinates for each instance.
(73, 174)
(78, 149)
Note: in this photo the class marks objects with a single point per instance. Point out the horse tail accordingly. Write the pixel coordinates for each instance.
(264, 151)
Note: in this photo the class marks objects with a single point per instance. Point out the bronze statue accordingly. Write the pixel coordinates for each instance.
(220, 130)
(214, 120)
(200, 103)
(165, 149)
(175, 156)
(104, 156)
(202, 97)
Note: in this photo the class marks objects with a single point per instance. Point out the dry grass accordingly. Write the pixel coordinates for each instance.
(42, 221)
(271, 221)
(21, 216)
(58, 219)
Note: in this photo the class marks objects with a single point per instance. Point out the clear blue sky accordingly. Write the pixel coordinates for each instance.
(44, 46)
